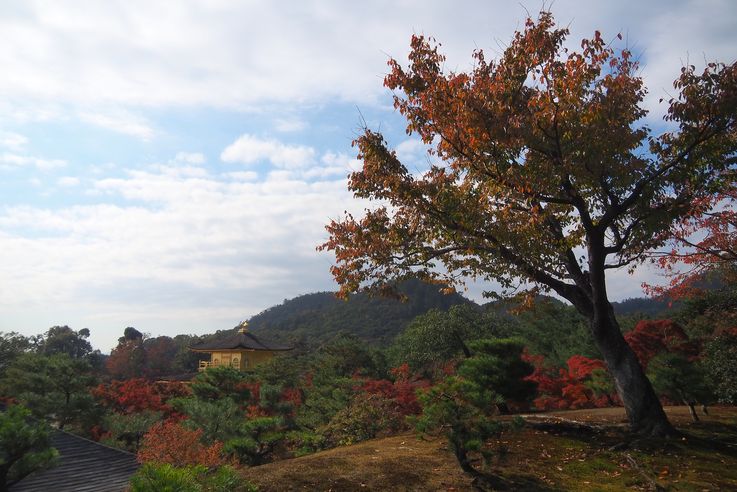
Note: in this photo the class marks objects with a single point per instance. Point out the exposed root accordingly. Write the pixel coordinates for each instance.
(647, 476)
(657, 431)
(550, 423)
(620, 446)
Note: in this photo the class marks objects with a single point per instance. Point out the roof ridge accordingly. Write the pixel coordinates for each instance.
(123, 451)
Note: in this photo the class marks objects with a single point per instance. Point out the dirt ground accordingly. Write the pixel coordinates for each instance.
(530, 459)
(395, 463)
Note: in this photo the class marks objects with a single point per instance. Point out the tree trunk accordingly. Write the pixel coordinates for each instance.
(462, 456)
(644, 411)
(4, 469)
(609, 399)
(503, 408)
(692, 410)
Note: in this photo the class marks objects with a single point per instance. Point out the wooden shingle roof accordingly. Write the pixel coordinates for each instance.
(83, 466)
(242, 340)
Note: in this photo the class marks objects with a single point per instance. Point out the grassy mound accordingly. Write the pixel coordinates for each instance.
(561, 454)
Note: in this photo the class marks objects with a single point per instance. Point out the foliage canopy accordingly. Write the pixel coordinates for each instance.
(542, 153)
(545, 173)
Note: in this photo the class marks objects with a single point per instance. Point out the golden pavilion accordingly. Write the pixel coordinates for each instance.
(242, 351)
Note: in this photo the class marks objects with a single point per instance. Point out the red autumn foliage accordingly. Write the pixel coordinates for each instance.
(127, 360)
(402, 391)
(254, 406)
(257, 411)
(171, 442)
(251, 388)
(560, 388)
(730, 332)
(570, 387)
(137, 395)
(97, 432)
(308, 380)
(703, 241)
(171, 389)
(652, 337)
(549, 382)
(7, 401)
(580, 367)
(449, 368)
(293, 396)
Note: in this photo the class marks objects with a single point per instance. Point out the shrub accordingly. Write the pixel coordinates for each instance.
(24, 445)
(167, 478)
(366, 417)
(172, 443)
(456, 408)
(125, 431)
(720, 362)
(303, 442)
(256, 440)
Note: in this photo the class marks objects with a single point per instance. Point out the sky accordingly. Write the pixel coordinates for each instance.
(171, 165)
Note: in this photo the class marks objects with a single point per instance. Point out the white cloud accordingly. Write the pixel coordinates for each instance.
(10, 160)
(249, 149)
(287, 125)
(411, 150)
(68, 181)
(102, 168)
(243, 175)
(121, 122)
(212, 247)
(190, 158)
(12, 141)
(293, 162)
(48, 163)
(199, 53)
(186, 171)
(341, 159)
(326, 172)
(332, 165)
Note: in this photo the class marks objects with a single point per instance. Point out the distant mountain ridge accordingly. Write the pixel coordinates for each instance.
(317, 317)
(649, 307)
(313, 318)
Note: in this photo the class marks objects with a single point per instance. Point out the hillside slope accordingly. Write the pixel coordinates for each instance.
(314, 318)
(646, 307)
(317, 317)
(556, 459)
(394, 463)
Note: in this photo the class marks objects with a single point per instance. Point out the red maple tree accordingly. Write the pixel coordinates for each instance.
(173, 443)
(137, 395)
(566, 388)
(653, 337)
(402, 391)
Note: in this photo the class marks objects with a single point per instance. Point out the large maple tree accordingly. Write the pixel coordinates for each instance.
(545, 173)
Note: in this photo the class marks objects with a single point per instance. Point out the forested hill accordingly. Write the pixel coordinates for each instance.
(313, 318)
(640, 307)
(646, 307)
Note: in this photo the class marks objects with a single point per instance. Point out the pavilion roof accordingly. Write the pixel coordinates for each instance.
(84, 466)
(243, 340)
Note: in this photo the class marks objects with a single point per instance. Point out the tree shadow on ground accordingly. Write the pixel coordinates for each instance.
(710, 437)
(512, 482)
